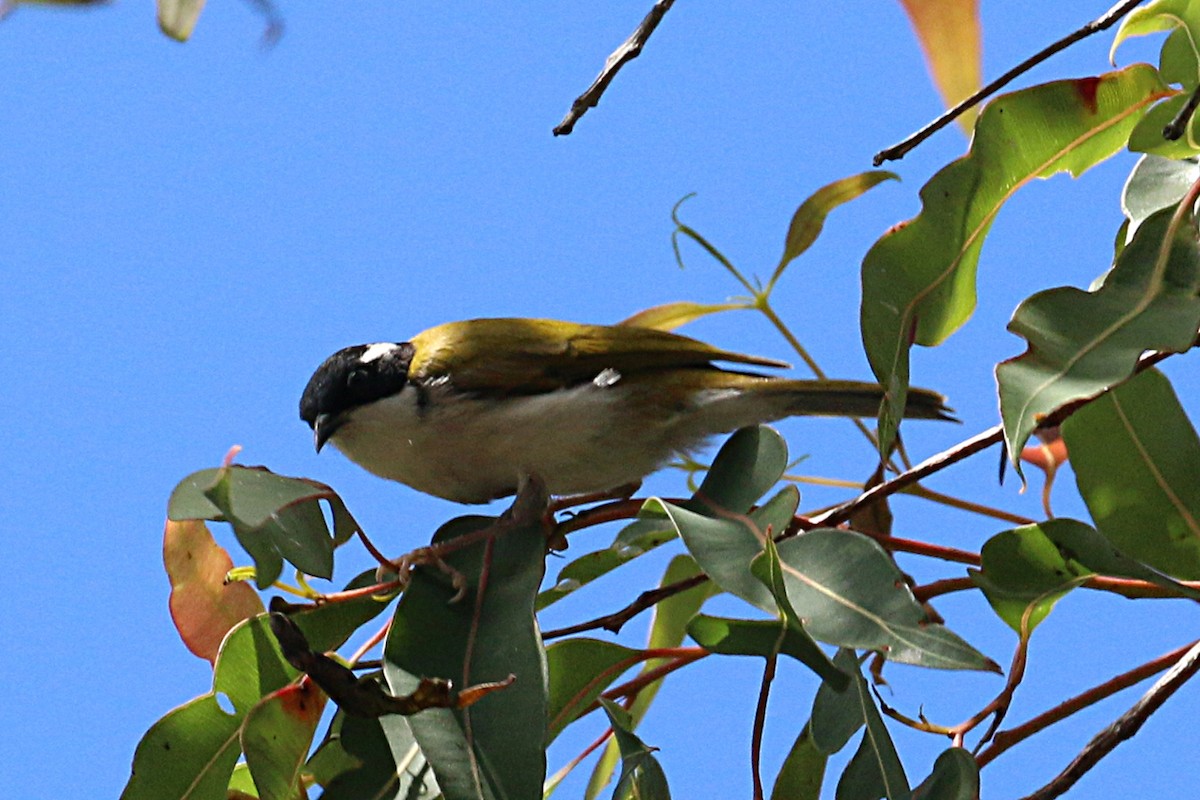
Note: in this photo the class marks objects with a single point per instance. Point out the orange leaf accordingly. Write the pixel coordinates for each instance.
(949, 34)
(203, 606)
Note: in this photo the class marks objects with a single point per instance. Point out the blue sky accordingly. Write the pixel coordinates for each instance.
(186, 231)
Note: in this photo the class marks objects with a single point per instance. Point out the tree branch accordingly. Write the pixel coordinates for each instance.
(1006, 739)
(630, 49)
(898, 151)
(1124, 727)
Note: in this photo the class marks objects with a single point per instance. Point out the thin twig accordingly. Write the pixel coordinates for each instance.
(958, 452)
(760, 717)
(1008, 738)
(615, 621)
(1174, 129)
(630, 49)
(1110, 18)
(1124, 727)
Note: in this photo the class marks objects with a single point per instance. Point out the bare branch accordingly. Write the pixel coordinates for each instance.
(630, 49)
(1110, 18)
(1124, 727)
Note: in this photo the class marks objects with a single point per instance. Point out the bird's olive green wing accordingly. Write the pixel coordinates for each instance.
(527, 356)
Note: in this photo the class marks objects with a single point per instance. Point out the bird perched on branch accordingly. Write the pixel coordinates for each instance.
(464, 409)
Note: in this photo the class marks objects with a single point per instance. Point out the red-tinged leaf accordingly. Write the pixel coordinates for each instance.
(919, 279)
(203, 606)
(950, 38)
(1047, 454)
(277, 735)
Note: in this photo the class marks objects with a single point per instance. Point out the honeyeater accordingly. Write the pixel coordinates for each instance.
(463, 410)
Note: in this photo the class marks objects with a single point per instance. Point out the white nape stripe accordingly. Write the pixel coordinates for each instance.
(376, 351)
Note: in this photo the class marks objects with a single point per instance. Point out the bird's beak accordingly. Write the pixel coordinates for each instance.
(325, 426)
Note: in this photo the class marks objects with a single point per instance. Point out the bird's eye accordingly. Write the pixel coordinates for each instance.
(357, 377)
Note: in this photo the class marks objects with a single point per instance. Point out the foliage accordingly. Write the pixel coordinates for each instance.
(820, 587)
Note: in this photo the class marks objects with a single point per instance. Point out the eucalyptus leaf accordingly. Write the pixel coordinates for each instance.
(486, 635)
(1136, 458)
(1081, 343)
(955, 776)
(1024, 575)
(919, 278)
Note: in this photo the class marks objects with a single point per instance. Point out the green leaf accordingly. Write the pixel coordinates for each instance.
(875, 770)
(809, 218)
(667, 629)
(1083, 543)
(836, 714)
(580, 669)
(725, 544)
(670, 316)
(759, 637)
(190, 753)
(273, 516)
(750, 462)
(177, 18)
(1136, 458)
(850, 593)
(802, 772)
(955, 776)
(487, 635)
(387, 765)
(769, 569)
(919, 278)
(276, 737)
(1024, 575)
(634, 540)
(1155, 183)
(1081, 343)
(1148, 136)
(641, 775)
(1161, 15)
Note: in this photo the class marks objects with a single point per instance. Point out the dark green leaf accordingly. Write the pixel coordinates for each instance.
(641, 775)
(1136, 459)
(746, 467)
(849, 592)
(272, 516)
(1081, 343)
(875, 770)
(487, 635)
(769, 569)
(836, 714)
(767, 638)
(1023, 575)
(725, 544)
(955, 776)
(802, 772)
(387, 763)
(919, 279)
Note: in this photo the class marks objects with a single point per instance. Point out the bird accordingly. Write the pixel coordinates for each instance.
(464, 410)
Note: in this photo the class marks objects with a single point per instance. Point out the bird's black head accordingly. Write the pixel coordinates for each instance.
(352, 377)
